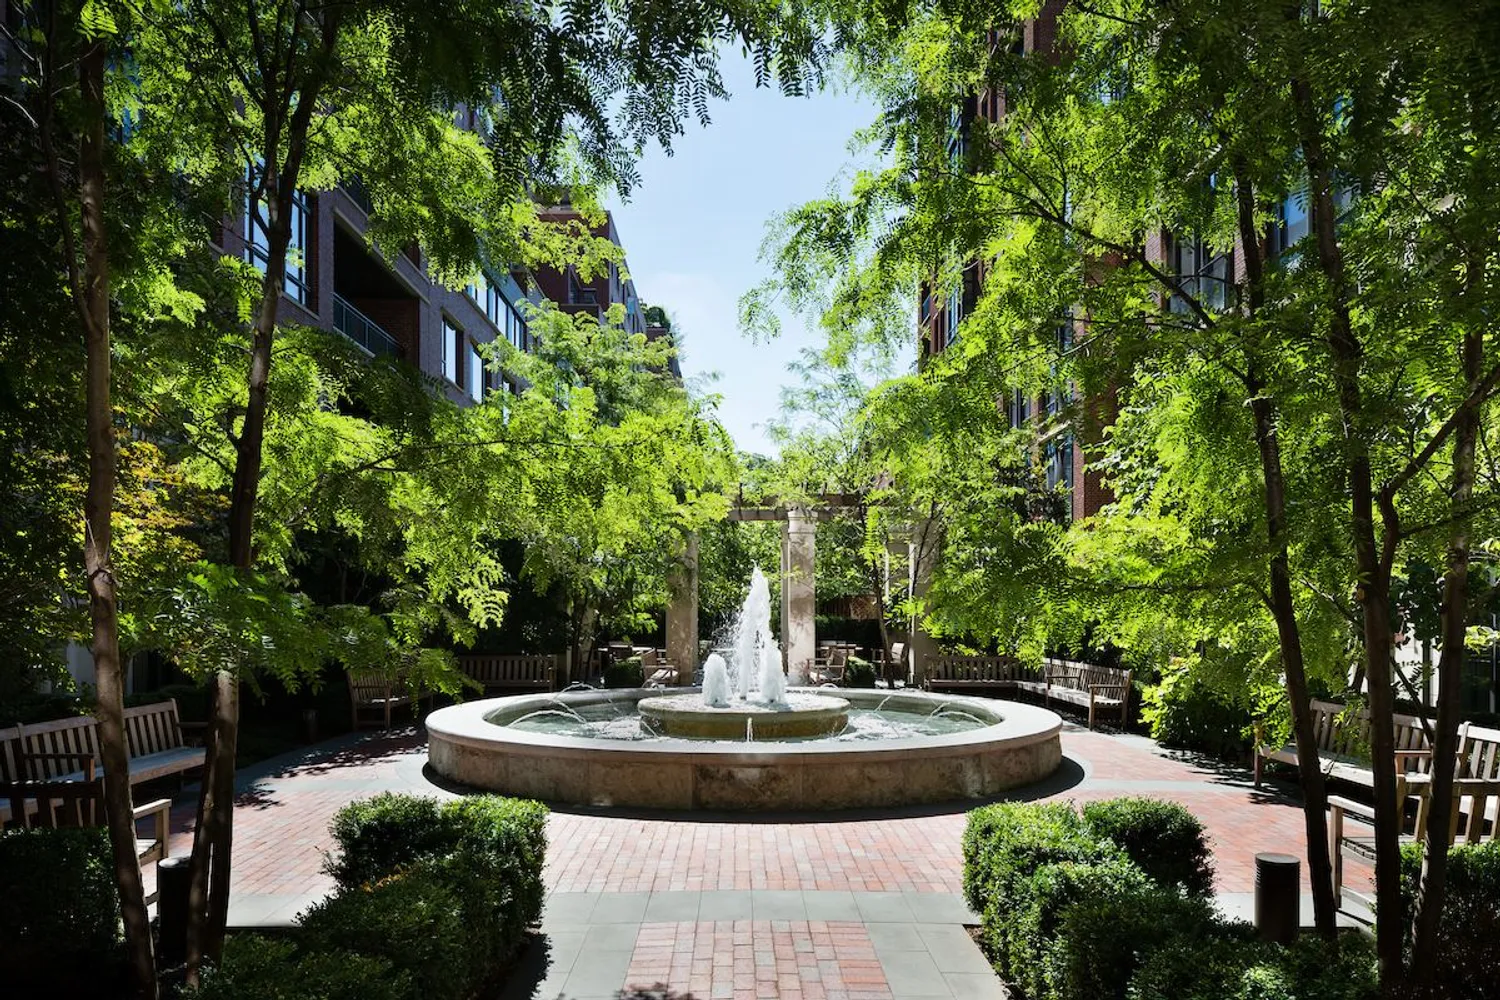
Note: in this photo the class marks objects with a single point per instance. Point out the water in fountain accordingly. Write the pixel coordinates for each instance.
(716, 682)
(772, 679)
(752, 635)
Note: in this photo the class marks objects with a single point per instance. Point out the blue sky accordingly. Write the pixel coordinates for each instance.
(694, 225)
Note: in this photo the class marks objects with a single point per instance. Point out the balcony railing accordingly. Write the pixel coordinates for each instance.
(363, 330)
(355, 189)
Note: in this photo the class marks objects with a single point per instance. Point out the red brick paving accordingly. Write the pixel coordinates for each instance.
(760, 959)
(281, 829)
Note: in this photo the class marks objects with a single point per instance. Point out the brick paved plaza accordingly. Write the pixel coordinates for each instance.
(841, 906)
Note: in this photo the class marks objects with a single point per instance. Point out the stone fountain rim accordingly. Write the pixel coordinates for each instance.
(468, 725)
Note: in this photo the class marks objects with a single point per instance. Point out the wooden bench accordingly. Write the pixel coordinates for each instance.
(1087, 686)
(1344, 747)
(377, 690)
(1080, 684)
(1470, 822)
(977, 673)
(510, 673)
(59, 804)
(68, 749)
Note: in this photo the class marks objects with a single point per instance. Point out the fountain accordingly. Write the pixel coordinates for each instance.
(778, 715)
(745, 740)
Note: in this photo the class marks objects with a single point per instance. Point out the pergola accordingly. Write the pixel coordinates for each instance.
(798, 604)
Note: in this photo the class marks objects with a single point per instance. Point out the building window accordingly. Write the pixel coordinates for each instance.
(257, 237)
(1201, 273)
(475, 372)
(452, 341)
(953, 315)
(1020, 408)
(1058, 455)
(1292, 224)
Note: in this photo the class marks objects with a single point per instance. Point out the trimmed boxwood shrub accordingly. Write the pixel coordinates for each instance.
(1005, 845)
(1163, 838)
(1468, 941)
(413, 921)
(59, 913)
(379, 836)
(255, 967)
(1010, 840)
(486, 849)
(1235, 966)
(1081, 930)
(859, 673)
(626, 673)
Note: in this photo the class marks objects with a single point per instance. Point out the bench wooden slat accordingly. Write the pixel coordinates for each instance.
(510, 672)
(1082, 684)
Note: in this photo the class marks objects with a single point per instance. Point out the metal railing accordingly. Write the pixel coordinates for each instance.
(363, 330)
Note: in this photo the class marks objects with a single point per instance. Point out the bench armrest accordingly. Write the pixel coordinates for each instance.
(89, 761)
(1399, 754)
(1106, 687)
(1358, 810)
(163, 806)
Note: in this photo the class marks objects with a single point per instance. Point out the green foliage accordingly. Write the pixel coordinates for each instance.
(859, 673)
(1185, 708)
(413, 920)
(1004, 844)
(380, 836)
(1080, 930)
(443, 892)
(1166, 841)
(1234, 966)
(1117, 902)
(626, 673)
(1469, 928)
(257, 967)
(61, 918)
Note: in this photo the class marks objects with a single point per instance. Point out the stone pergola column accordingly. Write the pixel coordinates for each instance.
(921, 552)
(682, 613)
(798, 605)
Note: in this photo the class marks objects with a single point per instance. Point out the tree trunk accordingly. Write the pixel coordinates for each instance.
(1372, 565)
(98, 511)
(1283, 606)
(1455, 617)
(214, 836)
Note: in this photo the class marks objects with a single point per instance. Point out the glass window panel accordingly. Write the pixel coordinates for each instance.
(451, 337)
(476, 373)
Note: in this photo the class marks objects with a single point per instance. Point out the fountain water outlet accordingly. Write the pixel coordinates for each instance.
(772, 679)
(716, 682)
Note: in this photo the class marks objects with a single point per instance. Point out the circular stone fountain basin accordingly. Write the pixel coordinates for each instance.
(478, 744)
(688, 716)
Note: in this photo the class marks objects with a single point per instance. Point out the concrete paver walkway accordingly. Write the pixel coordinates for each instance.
(839, 906)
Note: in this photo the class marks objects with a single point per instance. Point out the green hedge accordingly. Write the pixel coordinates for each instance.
(1235, 966)
(626, 673)
(433, 898)
(859, 673)
(278, 968)
(413, 921)
(59, 912)
(1081, 930)
(1468, 945)
(1164, 839)
(1116, 902)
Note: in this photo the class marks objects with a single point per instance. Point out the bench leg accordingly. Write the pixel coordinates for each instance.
(1091, 712)
(1335, 855)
